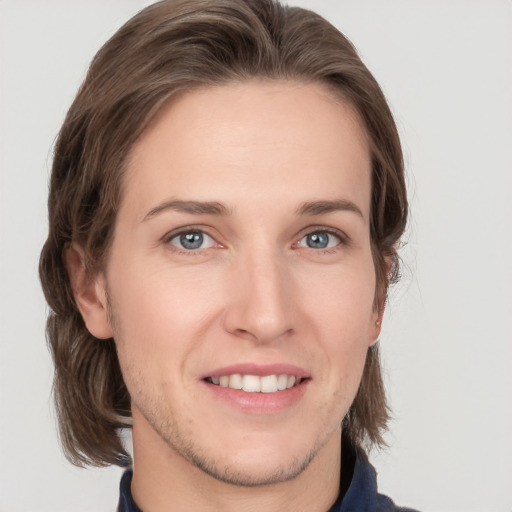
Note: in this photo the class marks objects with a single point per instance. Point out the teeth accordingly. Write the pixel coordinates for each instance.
(251, 383)
(255, 384)
(269, 384)
(235, 381)
(282, 382)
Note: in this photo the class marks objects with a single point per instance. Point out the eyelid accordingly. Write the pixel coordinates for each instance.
(341, 235)
(344, 238)
(170, 235)
(206, 239)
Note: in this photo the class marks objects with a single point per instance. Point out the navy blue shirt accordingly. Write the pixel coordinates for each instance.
(361, 495)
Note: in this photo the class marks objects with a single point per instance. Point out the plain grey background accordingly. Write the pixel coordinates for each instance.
(446, 68)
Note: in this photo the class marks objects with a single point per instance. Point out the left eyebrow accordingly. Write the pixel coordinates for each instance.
(321, 207)
(191, 207)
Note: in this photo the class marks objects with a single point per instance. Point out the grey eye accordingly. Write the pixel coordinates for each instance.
(192, 240)
(320, 240)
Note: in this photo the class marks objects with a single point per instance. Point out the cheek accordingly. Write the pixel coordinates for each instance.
(157, 311)
(341, 311)
(342, 299)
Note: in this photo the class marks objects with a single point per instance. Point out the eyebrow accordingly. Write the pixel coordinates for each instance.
(192, 207)
(322, 207)
(216, 208)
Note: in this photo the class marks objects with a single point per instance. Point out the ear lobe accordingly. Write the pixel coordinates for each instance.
(380, 304)
(89, 292)
(376, 327)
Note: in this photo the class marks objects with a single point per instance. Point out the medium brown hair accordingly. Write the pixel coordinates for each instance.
(176, 46)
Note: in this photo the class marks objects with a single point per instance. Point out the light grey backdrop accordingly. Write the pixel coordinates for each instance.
(446, 67)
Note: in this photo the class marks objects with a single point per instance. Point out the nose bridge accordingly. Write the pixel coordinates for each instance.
(260, 304)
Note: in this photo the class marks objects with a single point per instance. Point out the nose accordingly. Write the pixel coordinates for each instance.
(260, 297)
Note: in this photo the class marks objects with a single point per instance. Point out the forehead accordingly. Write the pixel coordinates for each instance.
(259, 137)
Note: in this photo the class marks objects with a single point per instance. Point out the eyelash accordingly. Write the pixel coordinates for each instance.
(169, 237)
(344, 240)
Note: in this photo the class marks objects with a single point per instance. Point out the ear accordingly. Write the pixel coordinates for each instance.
(90, 293)
(381, 293)
(376, 325)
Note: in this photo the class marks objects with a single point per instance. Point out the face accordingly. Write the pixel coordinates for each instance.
(240, 279)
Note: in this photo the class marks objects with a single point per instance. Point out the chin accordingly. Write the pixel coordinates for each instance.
(246, 472)
(251, 460)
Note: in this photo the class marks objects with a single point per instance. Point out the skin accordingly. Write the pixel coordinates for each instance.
(254, 292)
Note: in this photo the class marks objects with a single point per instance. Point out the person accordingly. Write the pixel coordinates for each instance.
(226, 200)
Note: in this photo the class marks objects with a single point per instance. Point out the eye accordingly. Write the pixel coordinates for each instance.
(192, 240)
(320, 240)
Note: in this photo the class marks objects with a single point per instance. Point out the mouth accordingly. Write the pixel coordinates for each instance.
(273, 383)
(259, 389)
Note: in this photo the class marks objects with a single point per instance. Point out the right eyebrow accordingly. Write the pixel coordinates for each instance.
(192, 207)
(322, 207)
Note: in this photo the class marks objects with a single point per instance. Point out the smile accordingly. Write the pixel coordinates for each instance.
(255, 383)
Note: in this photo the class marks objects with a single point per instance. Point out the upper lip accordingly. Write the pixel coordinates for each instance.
(260, 370)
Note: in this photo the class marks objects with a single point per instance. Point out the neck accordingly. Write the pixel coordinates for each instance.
(162, 477)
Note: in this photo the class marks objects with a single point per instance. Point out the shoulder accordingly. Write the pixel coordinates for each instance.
(362, 494)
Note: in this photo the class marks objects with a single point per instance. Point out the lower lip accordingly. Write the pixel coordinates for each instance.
(260, 403)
